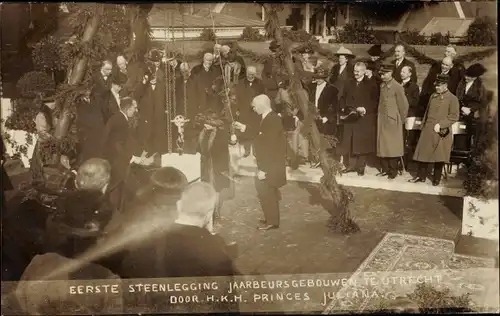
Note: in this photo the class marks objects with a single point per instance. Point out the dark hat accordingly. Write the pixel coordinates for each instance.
(321, 72)
(440, 79)
(475, 71)
(169, 179)
(119, 79)
(155, 55)
(371, 65)
(375, 50)
(386, 67)
(273, 46)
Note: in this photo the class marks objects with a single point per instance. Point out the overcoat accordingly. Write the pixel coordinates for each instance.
(392, 112)
(361, 132)
(203, 81)
(475, 98)
(397, 70)
(90, 126)
(339, 79)
(444, 110)
(412, 93)
(327, 107)
(245, 92)
(101, 91)
(455, 76)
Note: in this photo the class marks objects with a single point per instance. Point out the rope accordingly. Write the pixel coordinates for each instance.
(167, 92)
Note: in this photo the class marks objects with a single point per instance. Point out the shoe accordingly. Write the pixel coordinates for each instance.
(262, 221)
(435, 182)
(416, 179)
(348, 170)
(361, 172)
(392, 176)
(381, 174)
(268, 227)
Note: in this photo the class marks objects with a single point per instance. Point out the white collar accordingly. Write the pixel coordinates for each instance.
(321, 84)
(406, 80)
(359, 80)
(126, 117)
(265, 114)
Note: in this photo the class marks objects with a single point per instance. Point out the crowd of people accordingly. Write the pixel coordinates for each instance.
(117, 190)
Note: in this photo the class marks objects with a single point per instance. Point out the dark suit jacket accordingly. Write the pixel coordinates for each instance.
(397, 70)
(270, 150)
(101, 91)
(327, 107)
(412, 93)
(339, 80)
(244, 96)
(455, 76)
(118, 146)
(270, 77)
(90, 126)
(475, 98)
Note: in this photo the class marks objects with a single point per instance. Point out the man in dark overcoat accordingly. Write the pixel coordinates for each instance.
(271, 74)
(400, 62)
(246, 90)
(392, 112)
(436, 140)
(204, 76)
(101, 89)
(445, 67)
(270, 152)
(360, 128)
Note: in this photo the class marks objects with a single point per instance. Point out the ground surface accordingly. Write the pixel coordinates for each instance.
(303, 244)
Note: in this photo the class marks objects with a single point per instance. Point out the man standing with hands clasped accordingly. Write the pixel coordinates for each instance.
(270, 152)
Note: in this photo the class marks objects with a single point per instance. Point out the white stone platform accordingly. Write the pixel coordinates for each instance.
(452, 186)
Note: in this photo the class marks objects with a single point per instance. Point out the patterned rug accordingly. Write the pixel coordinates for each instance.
(391, 270)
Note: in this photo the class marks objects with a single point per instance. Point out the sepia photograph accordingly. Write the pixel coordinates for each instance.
(322, 157)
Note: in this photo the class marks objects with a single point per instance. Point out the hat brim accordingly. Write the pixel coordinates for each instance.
(345, 54)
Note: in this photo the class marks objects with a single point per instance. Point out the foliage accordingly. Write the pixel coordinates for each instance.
(46, 56)
(297, 36)
(440, 39)
(482, 172)
(23, 115)
(358, 32)
(482, 32)
(207, 35)
(432, 301)
(34, 83)
(413, 37)
(251, 35)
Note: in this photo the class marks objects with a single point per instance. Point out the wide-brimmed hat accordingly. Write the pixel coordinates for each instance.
(475, 70)
(273, 46)
(440, 79)
(375, 50)
(155, 55)
(345, 52)
(386, 67)
(321, 72)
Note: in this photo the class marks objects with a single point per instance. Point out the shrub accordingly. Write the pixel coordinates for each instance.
(46, 55)
(413, 37)
(207, 35)
(358, 32)
(439, 39)
(482, 32)
(299, 36)
(23, 115)
(33, 83)
(251, 35)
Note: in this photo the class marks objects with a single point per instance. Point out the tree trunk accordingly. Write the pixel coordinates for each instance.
(78, 72)
(338, 195)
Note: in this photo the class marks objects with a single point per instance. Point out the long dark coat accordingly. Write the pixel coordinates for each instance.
(392, 112)
(444, 110)
(455, 76)
(339, 79)
(245, 92)
(152, 128)
(397, 70)
(359, 136)
(327, 107)
(475, 98)
(90, 124)
(412, 93)
(270, 148)
(135, 75)
(101, 91)
(202, 86)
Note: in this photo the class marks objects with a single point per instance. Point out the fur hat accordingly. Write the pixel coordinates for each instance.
(475, 70)
(375, 50)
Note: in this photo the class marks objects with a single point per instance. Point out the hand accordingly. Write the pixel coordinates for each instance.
(65, 162)
(261, 175)
(465, 110)
(437, 128)
(361, 110)
(209, 127)
(148, 161)
(324, 120)
(239, 126)
(476, 114)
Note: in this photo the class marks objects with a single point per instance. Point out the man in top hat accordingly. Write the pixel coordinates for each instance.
(360, 128)
(271, 73)
(375, 52)
(400, 62)
(436, 138)
(473, 99)
(156, 69)
(343, 71)
(234, 69)
(392, 112)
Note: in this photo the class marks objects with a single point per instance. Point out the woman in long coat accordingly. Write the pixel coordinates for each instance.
(436, 138)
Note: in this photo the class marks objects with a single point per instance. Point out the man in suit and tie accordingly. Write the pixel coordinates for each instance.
(101, 90)
(400, 62)
(270, 152)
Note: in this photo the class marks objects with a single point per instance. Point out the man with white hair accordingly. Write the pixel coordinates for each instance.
(270, 152)
(204, 76)
(246, 90)
(121, 70)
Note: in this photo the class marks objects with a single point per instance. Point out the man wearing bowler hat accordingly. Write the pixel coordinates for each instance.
(436, 139)
(392, 112)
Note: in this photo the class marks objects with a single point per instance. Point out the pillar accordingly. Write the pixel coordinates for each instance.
(263, 14)
(307, 16)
